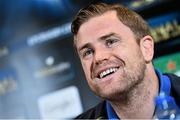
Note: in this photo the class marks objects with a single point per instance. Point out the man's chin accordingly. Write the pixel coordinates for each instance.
(112, 95)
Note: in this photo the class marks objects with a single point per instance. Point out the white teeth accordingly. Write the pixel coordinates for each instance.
(110, 70)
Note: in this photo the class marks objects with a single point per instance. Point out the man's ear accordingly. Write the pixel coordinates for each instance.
(147, 47)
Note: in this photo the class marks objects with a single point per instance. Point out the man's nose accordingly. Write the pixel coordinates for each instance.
(101, 55)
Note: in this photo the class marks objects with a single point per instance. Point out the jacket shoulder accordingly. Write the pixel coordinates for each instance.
(97, 112)
(175, 87)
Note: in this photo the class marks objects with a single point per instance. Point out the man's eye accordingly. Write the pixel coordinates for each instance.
(109, 42)
(87, 52)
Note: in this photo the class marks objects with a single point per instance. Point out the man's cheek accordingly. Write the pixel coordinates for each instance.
(86, 70)
(83, 65)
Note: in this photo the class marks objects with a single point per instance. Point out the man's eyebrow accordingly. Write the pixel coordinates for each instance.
(101, 38)
(84, 46)
(107, 36)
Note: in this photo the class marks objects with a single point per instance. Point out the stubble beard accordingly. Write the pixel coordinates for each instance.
(129, 80)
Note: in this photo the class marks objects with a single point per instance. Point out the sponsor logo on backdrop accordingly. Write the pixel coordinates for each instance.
(7, 81)
(4, 51)
(48, 71)
(49, 34)
(166, 31)
(64, 103)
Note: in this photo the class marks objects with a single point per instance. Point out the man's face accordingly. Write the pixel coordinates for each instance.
(111, 58)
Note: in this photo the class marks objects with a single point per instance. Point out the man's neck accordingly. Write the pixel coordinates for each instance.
(140, 100)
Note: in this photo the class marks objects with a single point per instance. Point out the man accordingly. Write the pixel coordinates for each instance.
(116, 52)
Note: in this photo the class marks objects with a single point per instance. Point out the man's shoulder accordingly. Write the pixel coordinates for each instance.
(97, 112)
(175, 87)
(175, 80)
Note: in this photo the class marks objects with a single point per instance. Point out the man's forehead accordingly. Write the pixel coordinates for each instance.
(99, 19)
(95, 25)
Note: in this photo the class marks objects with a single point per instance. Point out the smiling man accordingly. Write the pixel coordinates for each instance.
(116, 51)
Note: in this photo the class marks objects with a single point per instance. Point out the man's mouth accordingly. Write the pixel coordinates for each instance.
(107, 72)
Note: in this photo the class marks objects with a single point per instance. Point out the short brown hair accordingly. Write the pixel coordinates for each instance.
(128, 17)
